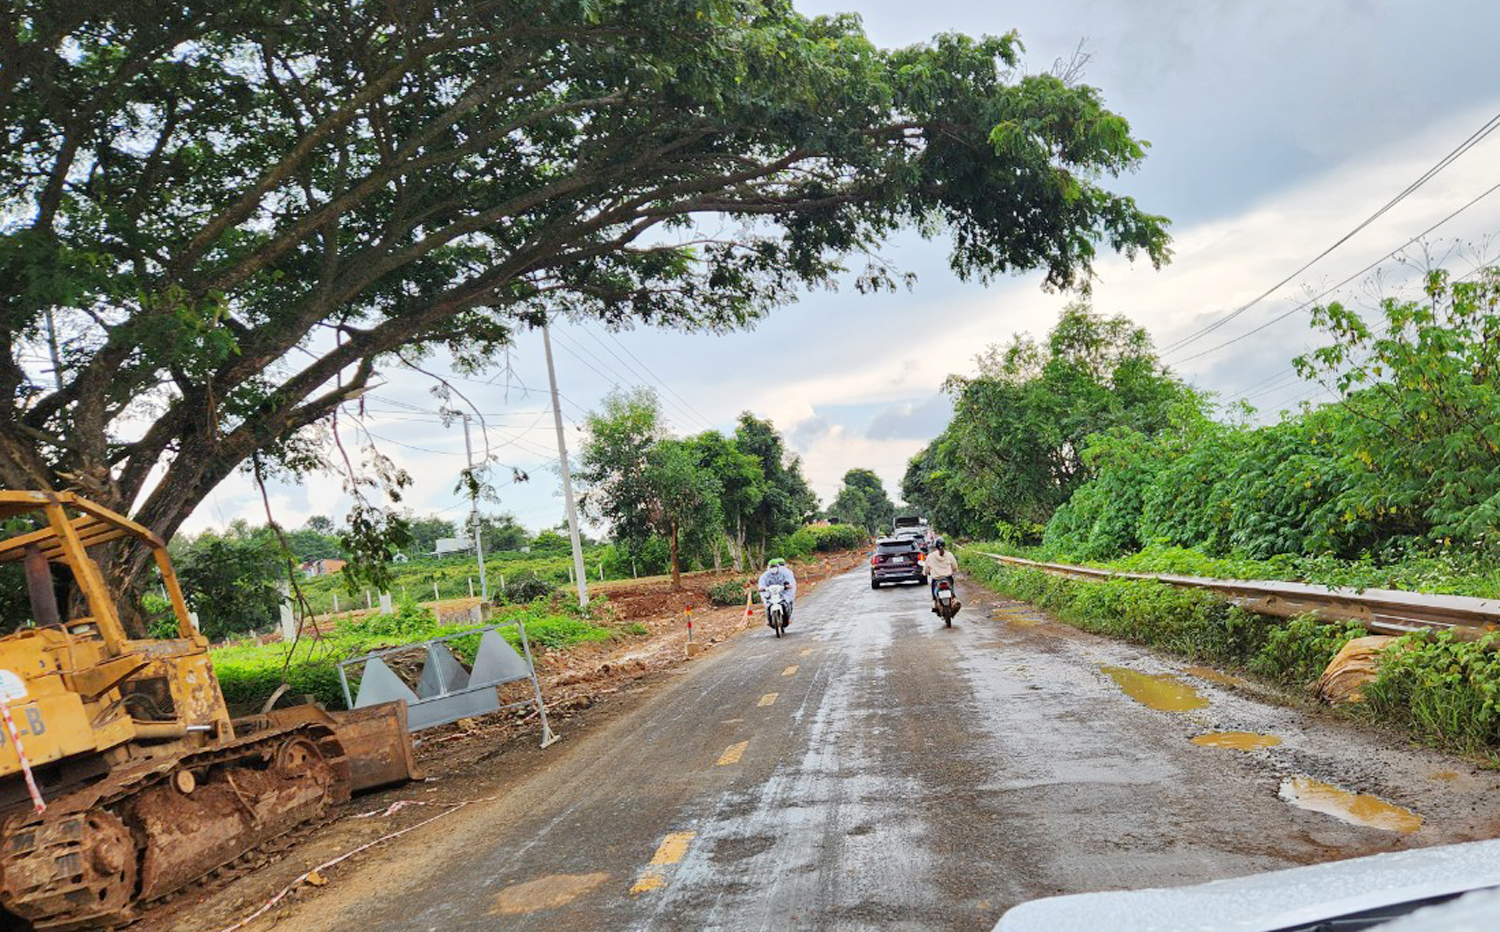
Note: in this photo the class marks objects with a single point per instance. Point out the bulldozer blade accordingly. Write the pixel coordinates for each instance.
(377, 744)
(375, 739)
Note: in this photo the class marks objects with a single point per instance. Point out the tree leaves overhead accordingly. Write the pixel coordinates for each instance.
(221, 207)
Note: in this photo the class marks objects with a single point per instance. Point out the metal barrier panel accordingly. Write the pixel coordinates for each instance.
(446, 692)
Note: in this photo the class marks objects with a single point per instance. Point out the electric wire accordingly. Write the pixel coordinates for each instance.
(1474, 139)
(1327, 291)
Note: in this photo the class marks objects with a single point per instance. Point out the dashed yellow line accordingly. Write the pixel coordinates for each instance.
(767, 699)
(805, 651)
(789, 670)
(731, 755)
(674, 846)
(671, 850)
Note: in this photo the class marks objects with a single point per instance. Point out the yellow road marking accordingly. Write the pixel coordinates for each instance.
(789, 670)
(671, 850)
(767, 699)
(805, 651)
(731, 755)
(650, 879)
(675, 845)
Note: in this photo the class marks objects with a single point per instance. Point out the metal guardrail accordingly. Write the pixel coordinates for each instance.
(1385, 611)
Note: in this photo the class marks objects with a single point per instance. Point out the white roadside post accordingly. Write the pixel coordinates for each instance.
(579, 573)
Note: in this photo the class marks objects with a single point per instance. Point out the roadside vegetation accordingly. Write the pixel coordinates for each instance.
(1443, 691)
(1085, 448)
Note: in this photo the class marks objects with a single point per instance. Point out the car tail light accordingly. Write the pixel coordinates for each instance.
(874, 560)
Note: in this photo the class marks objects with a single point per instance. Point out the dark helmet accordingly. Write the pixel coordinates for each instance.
(940, 542)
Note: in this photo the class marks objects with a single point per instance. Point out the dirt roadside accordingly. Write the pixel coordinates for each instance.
(583, 687)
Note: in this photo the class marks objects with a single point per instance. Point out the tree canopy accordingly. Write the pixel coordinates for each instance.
(222, 219)
(863, 502)
(1014, 450)
(702, 495)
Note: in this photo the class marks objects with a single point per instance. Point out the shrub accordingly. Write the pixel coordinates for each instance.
(528, 587)
(730, 591)
(1443, 689)
(838, 537)
(1299, 651)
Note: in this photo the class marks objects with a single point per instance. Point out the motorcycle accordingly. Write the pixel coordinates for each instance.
(775, 607)
(945, 601)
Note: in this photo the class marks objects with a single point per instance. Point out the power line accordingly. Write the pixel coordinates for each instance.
(618, 378)
(1327, 291)
(1490, 126)
(707, 425)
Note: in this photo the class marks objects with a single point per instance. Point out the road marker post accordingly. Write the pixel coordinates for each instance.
(693, 649)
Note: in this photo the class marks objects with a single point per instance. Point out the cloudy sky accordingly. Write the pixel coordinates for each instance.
(1277, 127)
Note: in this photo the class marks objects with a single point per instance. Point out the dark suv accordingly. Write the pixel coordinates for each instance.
(896, 559)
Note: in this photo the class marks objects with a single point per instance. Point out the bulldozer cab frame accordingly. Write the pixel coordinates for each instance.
(66, 541)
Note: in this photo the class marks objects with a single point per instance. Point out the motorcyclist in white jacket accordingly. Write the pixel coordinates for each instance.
(778, 573)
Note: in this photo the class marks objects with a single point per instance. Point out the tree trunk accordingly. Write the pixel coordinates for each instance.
(676, 570)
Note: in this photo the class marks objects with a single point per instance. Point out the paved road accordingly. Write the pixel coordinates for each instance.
(874, 770)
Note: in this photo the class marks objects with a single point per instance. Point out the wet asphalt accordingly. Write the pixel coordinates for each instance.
(874, 770)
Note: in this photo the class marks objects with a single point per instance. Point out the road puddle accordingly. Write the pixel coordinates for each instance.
(548, 892)
(1217, 676)
(1016, 616)
(1162, 691)
(1354, 808)
(1237, 740)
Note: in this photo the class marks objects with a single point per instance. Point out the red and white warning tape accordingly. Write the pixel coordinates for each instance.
(15, 739)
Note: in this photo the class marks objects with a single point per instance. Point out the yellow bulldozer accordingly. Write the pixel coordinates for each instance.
(123, 778)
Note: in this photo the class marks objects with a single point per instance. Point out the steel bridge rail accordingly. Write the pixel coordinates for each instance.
(1383, 611)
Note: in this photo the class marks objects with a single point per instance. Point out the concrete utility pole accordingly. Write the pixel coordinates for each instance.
(484, 589)
(567, 477)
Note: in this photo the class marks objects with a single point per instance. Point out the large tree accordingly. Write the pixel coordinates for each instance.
(786, 502)
(222, 218)
(1014, 450)
(863, 502)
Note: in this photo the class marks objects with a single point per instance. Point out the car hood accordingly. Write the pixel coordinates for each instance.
(1271, 901)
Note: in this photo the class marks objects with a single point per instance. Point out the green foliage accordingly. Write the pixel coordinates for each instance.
(551, 542)
(863, 502)
(833, 537)
(1405, 465)
(248, 674)
(1445, 690)
(732, 591)
(527, 587)
(426, 531)
(1014, 451)
(231, 582)
(1299, 651)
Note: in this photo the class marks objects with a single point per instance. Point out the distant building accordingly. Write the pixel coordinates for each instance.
(324, 567)
(446, 546)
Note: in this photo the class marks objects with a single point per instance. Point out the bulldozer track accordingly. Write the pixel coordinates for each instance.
(51, 845)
